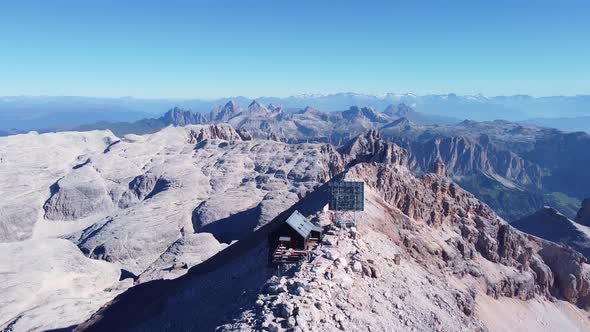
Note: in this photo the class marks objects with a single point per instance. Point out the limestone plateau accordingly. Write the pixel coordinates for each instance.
(168, 231)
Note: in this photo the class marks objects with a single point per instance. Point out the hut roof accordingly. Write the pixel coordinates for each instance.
(300, 224)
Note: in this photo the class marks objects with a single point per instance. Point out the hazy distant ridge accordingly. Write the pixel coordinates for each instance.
(27, 113)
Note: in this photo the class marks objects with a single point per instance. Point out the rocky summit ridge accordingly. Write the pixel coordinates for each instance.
(425, 255)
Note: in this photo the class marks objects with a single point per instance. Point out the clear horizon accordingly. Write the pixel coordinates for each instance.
(214, 49)
(289, 96)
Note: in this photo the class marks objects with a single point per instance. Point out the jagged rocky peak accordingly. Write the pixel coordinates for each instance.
(372, 134)
(438, 167)
(275, 108)
(310, 110)
(583, 216)
(256, 108)
(369, 147)
(400, 110)
(224, 113)
(180, 117)
(355, 112)
(218, 131)
(402, 122)
(231, 105)
(314, 113)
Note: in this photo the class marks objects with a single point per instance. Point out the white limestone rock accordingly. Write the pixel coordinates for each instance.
(47, 284)
(186, 252)
(30, 164)
(128, 199)
(79, 194)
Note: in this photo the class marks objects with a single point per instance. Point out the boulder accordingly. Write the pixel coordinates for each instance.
(341, 262)
(284, 309)
(357, 266)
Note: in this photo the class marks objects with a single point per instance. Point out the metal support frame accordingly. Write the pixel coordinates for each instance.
(345, 218)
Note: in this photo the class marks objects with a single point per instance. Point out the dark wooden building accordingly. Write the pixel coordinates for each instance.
(291, 241)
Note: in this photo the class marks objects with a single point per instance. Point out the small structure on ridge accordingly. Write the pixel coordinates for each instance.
(347, 196)
(291, 241)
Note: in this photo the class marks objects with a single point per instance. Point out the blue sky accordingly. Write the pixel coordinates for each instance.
(215, 48)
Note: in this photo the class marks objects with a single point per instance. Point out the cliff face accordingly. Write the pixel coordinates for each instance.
(182, 117)
(465, 156)
(220, 131)
(223, 114)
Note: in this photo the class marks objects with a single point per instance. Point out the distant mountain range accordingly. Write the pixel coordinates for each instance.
(581, 123)
(289, 125)
(515, 168)
(24, 113)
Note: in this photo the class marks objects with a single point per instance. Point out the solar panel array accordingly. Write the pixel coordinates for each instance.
(347, 196)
